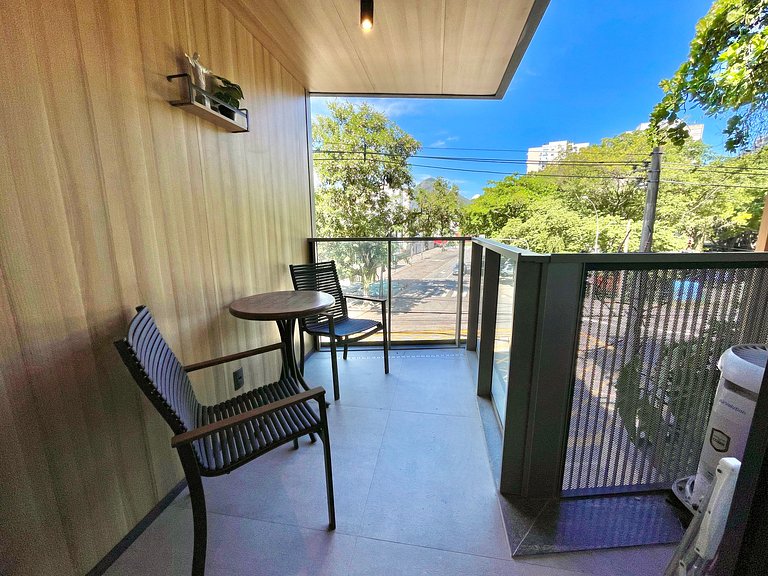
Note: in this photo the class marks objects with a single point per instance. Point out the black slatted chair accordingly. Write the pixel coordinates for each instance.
(334, 322)
(215, 440)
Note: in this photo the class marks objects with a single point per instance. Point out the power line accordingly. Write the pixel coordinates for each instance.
(470, 149)
(566, 176)
(715, 166)
(538, 174)
(606, 163)
(507, 173)
(713, 184)
(720, 170)
(487, 160)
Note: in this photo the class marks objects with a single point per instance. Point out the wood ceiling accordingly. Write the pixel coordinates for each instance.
(462, 48)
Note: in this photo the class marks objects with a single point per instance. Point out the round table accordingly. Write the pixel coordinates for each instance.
(284, 307)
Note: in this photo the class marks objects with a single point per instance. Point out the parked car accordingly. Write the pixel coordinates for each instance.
(456, 269)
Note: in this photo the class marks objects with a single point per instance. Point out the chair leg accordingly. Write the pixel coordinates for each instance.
(334, 369)
(199, 518)
(386, 336)
(346, 347)
(295, 443)
(301, 352)
(328, 468)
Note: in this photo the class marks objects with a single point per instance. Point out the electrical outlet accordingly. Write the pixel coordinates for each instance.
(237, 375)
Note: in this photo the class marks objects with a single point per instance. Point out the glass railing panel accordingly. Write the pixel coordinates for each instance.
(503, 334)
(465, 289)
(425, 280)
(363, 271)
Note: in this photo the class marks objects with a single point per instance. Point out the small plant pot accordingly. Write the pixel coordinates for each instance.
(224, 111)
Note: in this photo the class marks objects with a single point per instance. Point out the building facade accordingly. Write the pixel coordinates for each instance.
(540, 156)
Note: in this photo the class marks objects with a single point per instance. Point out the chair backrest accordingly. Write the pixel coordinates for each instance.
(321, 276)
(159, 373)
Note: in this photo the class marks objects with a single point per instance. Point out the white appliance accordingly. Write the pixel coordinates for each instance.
(698, 549)
(741, 372)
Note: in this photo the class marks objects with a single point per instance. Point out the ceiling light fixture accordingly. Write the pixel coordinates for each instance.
(366, 15)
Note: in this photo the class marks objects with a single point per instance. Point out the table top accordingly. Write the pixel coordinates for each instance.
(281, 305)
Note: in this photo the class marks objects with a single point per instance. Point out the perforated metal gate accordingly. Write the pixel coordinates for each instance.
(646, 370)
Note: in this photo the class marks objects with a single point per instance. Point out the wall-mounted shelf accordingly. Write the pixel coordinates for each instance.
(198, 102)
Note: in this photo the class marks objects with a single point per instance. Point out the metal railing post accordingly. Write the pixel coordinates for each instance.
(473, 314)
(549, 405)
(522, 354)
(389, 288)
(459, 293)
(488, 327)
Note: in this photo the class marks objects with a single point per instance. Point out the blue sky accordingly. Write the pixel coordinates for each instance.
(592, 71)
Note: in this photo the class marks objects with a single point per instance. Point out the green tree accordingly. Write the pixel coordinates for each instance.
(700, 201)
(363, 186)
(438, 208)
(363, 182)
(502, 201)
(725, 72)
(706, 207)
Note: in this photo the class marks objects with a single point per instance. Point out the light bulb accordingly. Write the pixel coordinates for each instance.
(366, 15)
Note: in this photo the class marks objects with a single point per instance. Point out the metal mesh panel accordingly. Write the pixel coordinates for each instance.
(646, 370)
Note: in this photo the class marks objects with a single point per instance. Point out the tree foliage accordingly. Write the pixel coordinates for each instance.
(725, 72)
(364, 184)
(438, 208)
(501, 202)
(700, 202)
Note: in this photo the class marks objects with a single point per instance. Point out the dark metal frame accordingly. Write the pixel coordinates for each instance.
(549, 293)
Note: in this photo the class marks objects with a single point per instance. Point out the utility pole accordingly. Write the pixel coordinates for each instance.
(651, 196)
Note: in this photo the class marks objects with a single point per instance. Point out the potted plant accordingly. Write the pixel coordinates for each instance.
(229, 93)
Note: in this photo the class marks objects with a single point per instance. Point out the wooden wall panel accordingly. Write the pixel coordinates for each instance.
(112, 198)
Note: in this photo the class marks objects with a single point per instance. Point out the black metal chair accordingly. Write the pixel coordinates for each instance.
(335, 322)
(215, 440)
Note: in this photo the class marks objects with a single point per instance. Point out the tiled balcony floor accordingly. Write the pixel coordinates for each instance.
(414, 491)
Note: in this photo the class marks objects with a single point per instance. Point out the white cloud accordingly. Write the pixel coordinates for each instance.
(396, 107)
(390, 107)
(443, 142)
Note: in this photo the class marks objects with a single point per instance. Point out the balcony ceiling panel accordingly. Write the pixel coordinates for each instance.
(417, 48)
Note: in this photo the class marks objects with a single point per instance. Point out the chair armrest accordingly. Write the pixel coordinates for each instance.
(366, 298)
(232, 357)
(317, 393)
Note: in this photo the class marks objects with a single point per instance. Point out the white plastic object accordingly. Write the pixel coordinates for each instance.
(741, 373)
(716, 514)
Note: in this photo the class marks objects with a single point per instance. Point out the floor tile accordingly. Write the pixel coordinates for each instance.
(235, 546)
(433, 487)
(441, 384)
(288, 486)
(519, 514)
(362, 381)
(635, 561)
(415, 493)
(378, 558)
